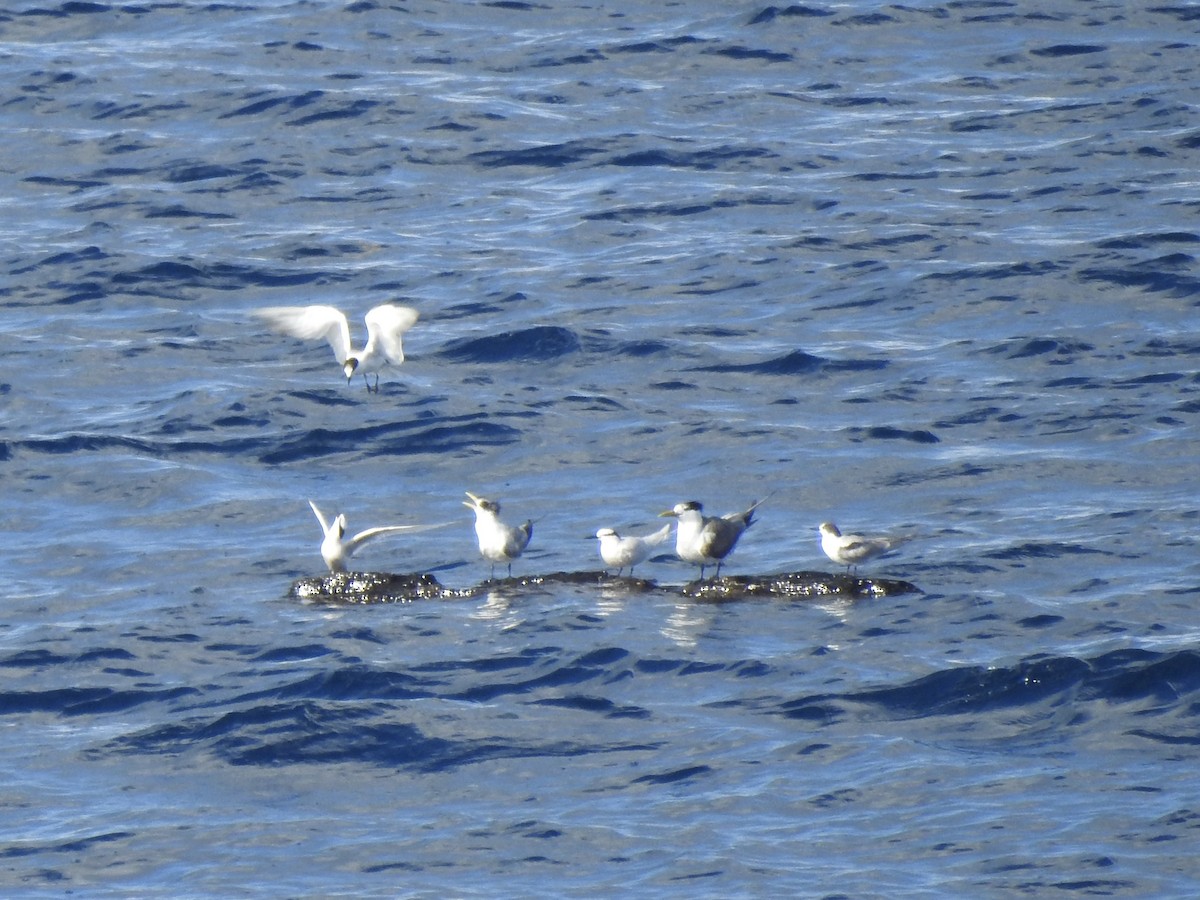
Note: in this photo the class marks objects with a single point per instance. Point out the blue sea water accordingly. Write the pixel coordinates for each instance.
(923, 268)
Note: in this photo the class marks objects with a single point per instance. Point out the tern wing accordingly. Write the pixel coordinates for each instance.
(320, 518)
(363, 536)
(517, 539)
(719, 535)
(856, 548)
(310, 323)
(744, 519)
(387, 324)
(653, 540)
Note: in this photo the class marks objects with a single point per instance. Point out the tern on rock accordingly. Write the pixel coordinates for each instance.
(708, 539)
(336, 549)
(498, 543)
(851, 549)
(629, 550)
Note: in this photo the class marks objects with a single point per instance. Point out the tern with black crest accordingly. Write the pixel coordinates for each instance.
(708, 539)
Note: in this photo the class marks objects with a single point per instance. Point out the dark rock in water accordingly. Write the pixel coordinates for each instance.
(384, 587)
(373, 587)
(795, 585)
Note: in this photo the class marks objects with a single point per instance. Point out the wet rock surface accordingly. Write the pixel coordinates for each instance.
(385, 587)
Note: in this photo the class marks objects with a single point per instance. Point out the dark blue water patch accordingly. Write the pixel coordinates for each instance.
(1042, 550)
(186, 172)
(1168, 347)
(1041, 347)
(549, 156)
(1122, 676)
(1055, 50)
(673, 385)
(540, 343)
(1151, 277)
(350, 682)
(68, 258)
(43, 658)
(562, 676)
(72, 8)
(701, 160)
(797, 362)
(351, 110)
(1127, 675)
(295, 101)
(293, 654)
(326, 397)
(971, 417)
(79, 845)
(891, 433)
(85, 701)
(997, 272)
(643, 47)
(77, 185)
(292, 733)
(514, 5)
(219, 276)
(772, 13)
(600, 705)
(178, 211)
(641, 348)
(752, 54)
(686, 773)
(678, 210)
(459, 434)
(1148, 240)
(312, 732)
(1155, 378)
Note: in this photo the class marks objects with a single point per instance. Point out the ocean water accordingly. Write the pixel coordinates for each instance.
(921, 268)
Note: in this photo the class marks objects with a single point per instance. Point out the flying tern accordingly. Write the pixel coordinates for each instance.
(386, 325)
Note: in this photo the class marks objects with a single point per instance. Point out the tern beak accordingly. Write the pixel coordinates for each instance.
(348, 368)
(668, 512)
(473, 502)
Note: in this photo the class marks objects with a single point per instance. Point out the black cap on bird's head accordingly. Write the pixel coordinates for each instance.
(680, 508)
(349, 366)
